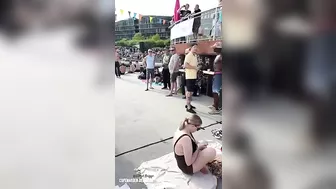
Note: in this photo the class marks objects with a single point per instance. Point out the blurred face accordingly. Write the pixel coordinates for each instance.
(193, 126)
(196, 7)
(172, 51)
(194, 49)
(150, 53)
(218, 50)
(187, 6)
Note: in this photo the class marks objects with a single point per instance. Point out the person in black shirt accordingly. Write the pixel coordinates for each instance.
(184, 13)
(184, 16)
(197, 21)
(117, 69)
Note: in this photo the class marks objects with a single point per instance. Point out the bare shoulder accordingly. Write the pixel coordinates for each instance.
(183, 139)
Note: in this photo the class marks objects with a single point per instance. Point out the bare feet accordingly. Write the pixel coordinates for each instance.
(204, 170)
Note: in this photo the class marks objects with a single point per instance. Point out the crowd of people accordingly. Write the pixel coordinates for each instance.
(184, 13)
(189, 78)
(189, 75)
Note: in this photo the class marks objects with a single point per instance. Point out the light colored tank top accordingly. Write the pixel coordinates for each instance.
(150, 62)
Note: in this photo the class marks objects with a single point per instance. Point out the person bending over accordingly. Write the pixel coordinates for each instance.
(191, 157)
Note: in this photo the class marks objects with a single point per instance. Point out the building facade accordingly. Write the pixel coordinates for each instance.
(126, 28)
(158, 25)
(147, 27)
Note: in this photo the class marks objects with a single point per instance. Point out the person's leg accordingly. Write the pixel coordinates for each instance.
(165, 78)
(172, 85)
(151, 78)
(195, 89)
(168, 80)
(147, 78)
(204, 157)
(216, 85)
(220, 99)
(190, 87)
(118, 71)
(183, 85)
(188, 94)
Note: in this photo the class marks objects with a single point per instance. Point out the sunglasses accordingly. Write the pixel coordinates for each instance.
(196, 125)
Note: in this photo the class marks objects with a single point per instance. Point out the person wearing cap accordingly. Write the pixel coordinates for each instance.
(174, 65)
(149, 63)
(191, 68)
(217, 78)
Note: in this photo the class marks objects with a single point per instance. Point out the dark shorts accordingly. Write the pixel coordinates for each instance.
(190, 84)
(150, 73)
(173, 76)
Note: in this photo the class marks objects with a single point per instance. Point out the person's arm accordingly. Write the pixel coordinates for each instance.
(154, 60)
(179, 10)
(177, 64)
(144, 61)
(189, 156)
(187, 63)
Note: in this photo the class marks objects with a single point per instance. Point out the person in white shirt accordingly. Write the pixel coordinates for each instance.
(149, 62)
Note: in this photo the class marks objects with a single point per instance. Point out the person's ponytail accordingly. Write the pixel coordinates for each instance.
(183, 123)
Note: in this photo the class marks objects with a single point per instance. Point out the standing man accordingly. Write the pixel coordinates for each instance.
(197, 21)
(174, 66)
(184, 13)
(165, 70)
(149, 63)
(117, 65)
(217, 79)
(184, 16)
(183, 80)
(190, 65)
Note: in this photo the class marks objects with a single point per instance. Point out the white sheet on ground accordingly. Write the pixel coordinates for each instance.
(166, 175)
(125, 186)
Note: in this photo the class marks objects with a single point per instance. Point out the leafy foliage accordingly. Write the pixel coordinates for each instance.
(150, 42)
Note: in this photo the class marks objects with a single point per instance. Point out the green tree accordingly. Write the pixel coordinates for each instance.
(167, 42)
(159, 43)
(122, 42)
(131, 43)
(138, 37)
(156, 37)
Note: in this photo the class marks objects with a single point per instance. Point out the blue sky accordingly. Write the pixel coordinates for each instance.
(157, 7)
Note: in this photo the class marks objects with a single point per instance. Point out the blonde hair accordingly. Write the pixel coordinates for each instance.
(194, 118)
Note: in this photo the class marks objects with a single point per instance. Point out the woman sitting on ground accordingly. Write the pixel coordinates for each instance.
(191, 157)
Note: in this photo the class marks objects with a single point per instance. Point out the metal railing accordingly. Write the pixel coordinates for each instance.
(210, 27)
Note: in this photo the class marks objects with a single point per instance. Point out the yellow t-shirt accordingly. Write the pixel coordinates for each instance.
(192, 60)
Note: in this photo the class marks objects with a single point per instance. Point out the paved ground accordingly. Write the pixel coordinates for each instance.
(145, 117)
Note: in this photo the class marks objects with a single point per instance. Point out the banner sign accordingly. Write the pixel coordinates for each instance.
(182, 29)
